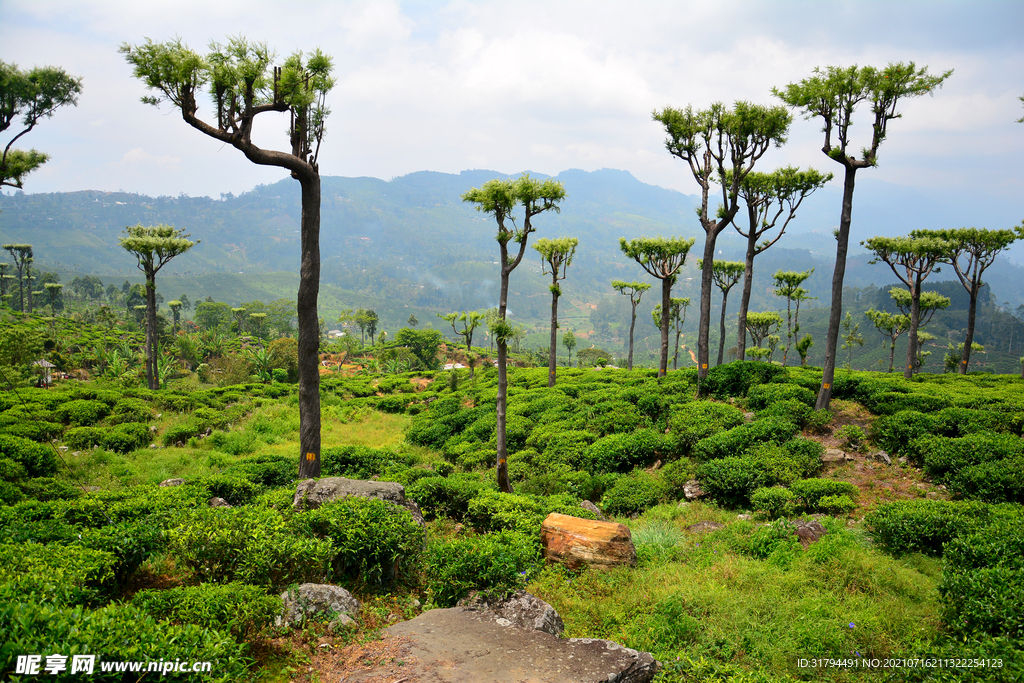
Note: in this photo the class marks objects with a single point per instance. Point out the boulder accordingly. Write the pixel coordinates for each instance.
(883, 457)
(172, 482)
(587, 505)
(704, 527)
(744, 518)
(316, 600)
(520, 609)
(217, 502)
(808, 532)
(576, 542)
(835, 456)
(692, 490)
(312, 493)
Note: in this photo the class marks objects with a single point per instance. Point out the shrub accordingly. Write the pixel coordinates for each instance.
(795, 411)
(76, 574)
(359, 462)
(963, 421)
(623, 452)
(891, 402)
(1000, 544)
(894, 433)
(732, 480)
(82, 413)
(735, 379)
(130, 410)
(616, 417)
(220, 545)
(131, 542)
(241, 610)
(984, 600)
(37, 459)
(48, 488)
(498, 563)
(819, 422)
(125, 438)
(811, 491)
(698, 420)
(235, 490)
(119, 632)
(836, 505)
(763, 396)
(494, 511)
(633, 494)
(925, 525)
(395, 404)
(999, 481)
(740, 439)
(369, 537)
(560, 479)
(182, 432)
(569, 447)
(11, 470)
(266, 470)
(773, 502)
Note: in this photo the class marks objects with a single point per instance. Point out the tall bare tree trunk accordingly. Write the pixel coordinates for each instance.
(152, 375)
(721, 329)
(971, 318)
(504, 485)
(666, 303)
(915, 322)
(748, 281)
(554, 332)
(632, 326)
(835, 319)
(309, 328)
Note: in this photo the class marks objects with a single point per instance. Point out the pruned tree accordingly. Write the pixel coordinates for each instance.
(470, 320)
(833, 94)
(971, 252)
(725, 275)
(240, 315)
(788, 284)
(635, 291)
(803, 347)
(243, 83)
(851, 338)
(912, 259)
(661, 258)
(5, 279)
(175, 307)
(767, 197)
(257, 322)
(555, 258)
(929, 303)
(569, 342)
(677, 318)
(501, 198)
(53, 290)
(761, 325)
(153, 247)
(30, 96)
(720, 146)
(412, 321)
(891, 326)
(22, 255)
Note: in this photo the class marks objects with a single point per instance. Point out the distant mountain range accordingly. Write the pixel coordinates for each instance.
(412, 239)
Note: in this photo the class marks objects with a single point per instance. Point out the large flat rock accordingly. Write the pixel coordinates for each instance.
(467, 646)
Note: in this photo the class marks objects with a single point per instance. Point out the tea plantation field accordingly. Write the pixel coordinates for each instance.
(922, 565)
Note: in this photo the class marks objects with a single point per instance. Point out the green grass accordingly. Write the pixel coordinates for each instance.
(696, 595)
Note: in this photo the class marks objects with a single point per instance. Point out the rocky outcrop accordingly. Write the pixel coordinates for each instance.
(312, 493)
(575, 542)
(692, 490)
(217, 502)
(808, 532)
(317, 600)
(459, 645)
(704, 527)
(520, 609)
(172, 482)
(834, 456)
(590, 507)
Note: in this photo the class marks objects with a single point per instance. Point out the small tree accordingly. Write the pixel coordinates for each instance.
(788, 284)
(53, 290)
(851, 338)
(470, 320)
(240, 316)
(569, 342)
(720, 146)
(30, 96)
(500, 198)
(833, 94)
(555, 259)
(635, 291)
(663, 259)
(154, 247)
(803, 347)
(768, 196)
(257, 323)
(971, 252)
(760, 325)
(725, 274)
(912, 259)
(890, 326)
(677, 318)
(175, 307)
(412, 321)
(22, 255)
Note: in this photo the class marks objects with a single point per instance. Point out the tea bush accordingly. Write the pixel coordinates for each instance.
(740, 439)
(633, 493)
(130, 410)
(493, 511)
(773, 502)
(499, 563)
(446, 496)
(37, 459)
(82, 413)
(698, 420)
(894, 433)
(77, 574)
(235, 490)
(736, 379)
(359, 462)
(925, 526)
(369, 537)
(623, 452)
(241, 610)
(941, 455)
(998, 481)
(836, 505)
(266, 470)
(762, 396)
(810, 492)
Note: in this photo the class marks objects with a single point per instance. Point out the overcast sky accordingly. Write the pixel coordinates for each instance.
(542, 86)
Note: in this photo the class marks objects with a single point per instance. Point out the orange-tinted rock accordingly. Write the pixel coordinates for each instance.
(575, 542)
